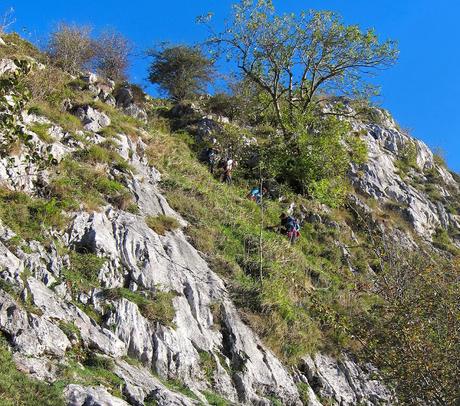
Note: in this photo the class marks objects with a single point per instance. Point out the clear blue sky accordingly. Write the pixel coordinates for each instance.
(421, 91)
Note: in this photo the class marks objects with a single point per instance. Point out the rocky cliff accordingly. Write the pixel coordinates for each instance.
(149, 309)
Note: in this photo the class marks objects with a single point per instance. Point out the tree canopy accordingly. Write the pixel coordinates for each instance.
(181, 71)
(300, 60)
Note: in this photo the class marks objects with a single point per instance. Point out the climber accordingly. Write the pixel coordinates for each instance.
(228, 166)
(211, 158)
(290, 227)
(255, 194)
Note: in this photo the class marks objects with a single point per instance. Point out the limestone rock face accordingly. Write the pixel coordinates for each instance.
(206, 345)
(30, 334)
(125, 100)
(345, 382)
(78, 395)
(170, 263)
(381, 179)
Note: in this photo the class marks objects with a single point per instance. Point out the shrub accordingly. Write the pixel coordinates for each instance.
(77, 182)
(29, 217)
(111, 55)
(181, 71)
(439, 157)
(215, 400)
(48, 85)
(162, 223)
(157, 307)
(224, 104)
(84, 271)
(70, 47)
(67, 121)
(407, 158)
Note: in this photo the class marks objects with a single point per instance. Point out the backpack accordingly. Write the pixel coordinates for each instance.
(293, 224)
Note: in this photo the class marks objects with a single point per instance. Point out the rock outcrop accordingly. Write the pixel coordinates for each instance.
(381, 179)
(206, 346)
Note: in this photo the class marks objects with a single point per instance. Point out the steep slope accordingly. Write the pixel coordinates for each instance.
(115, 298)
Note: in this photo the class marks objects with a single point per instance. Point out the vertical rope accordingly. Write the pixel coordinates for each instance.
(261, 257)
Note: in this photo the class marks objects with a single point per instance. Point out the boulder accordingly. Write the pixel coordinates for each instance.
(92, 119)
(77, 395)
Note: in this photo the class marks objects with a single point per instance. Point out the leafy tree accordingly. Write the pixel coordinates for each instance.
(413, 333)
(316, 160)
(181, 71)
(297, 60)
(71, 48)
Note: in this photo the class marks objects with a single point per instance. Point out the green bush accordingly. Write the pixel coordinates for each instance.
(29, 217)
(42, 131)
(83, 271)
(162, 223)
(215, 400)
(407, 158)
(156, 307)
(78, 182)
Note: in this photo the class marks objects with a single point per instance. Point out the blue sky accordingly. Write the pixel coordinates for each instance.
(421, 91)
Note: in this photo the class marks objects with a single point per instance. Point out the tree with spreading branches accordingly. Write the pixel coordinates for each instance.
(299, 61)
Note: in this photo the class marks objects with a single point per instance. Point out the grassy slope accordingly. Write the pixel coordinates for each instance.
(18, 389)
(278, 299)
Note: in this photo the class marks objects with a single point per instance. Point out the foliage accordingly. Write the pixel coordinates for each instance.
(162, 223)
(70, 47)
(442, 241)
(208, 365)
(66, 120)
(413, 334)
(83, 272)
(275, 297)
(16, 388)
(224, 104)
(83, 183)
(215, 400)
(42, 130)
(407, 158)
(29, 217)
(439, 157)
(157, 307)
(47, 85)
(316, 160)
(304, 392)
(293, 58)
(17, 48)
(96, 370)
(181, 71)
(112, 55)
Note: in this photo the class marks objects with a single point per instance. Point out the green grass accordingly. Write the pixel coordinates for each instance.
(156, 307)
(215, 400)
(90, 369)
(275, 295)
(77, 182)
(29, 217)
(67, 121)
(162, 224)
(82, 274)
(304, 392)
(208, 365)
(42, 131)
(16, 388)
(16, 47)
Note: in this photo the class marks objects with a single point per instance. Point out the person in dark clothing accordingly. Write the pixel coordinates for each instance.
(211, 158)
(290, 227)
